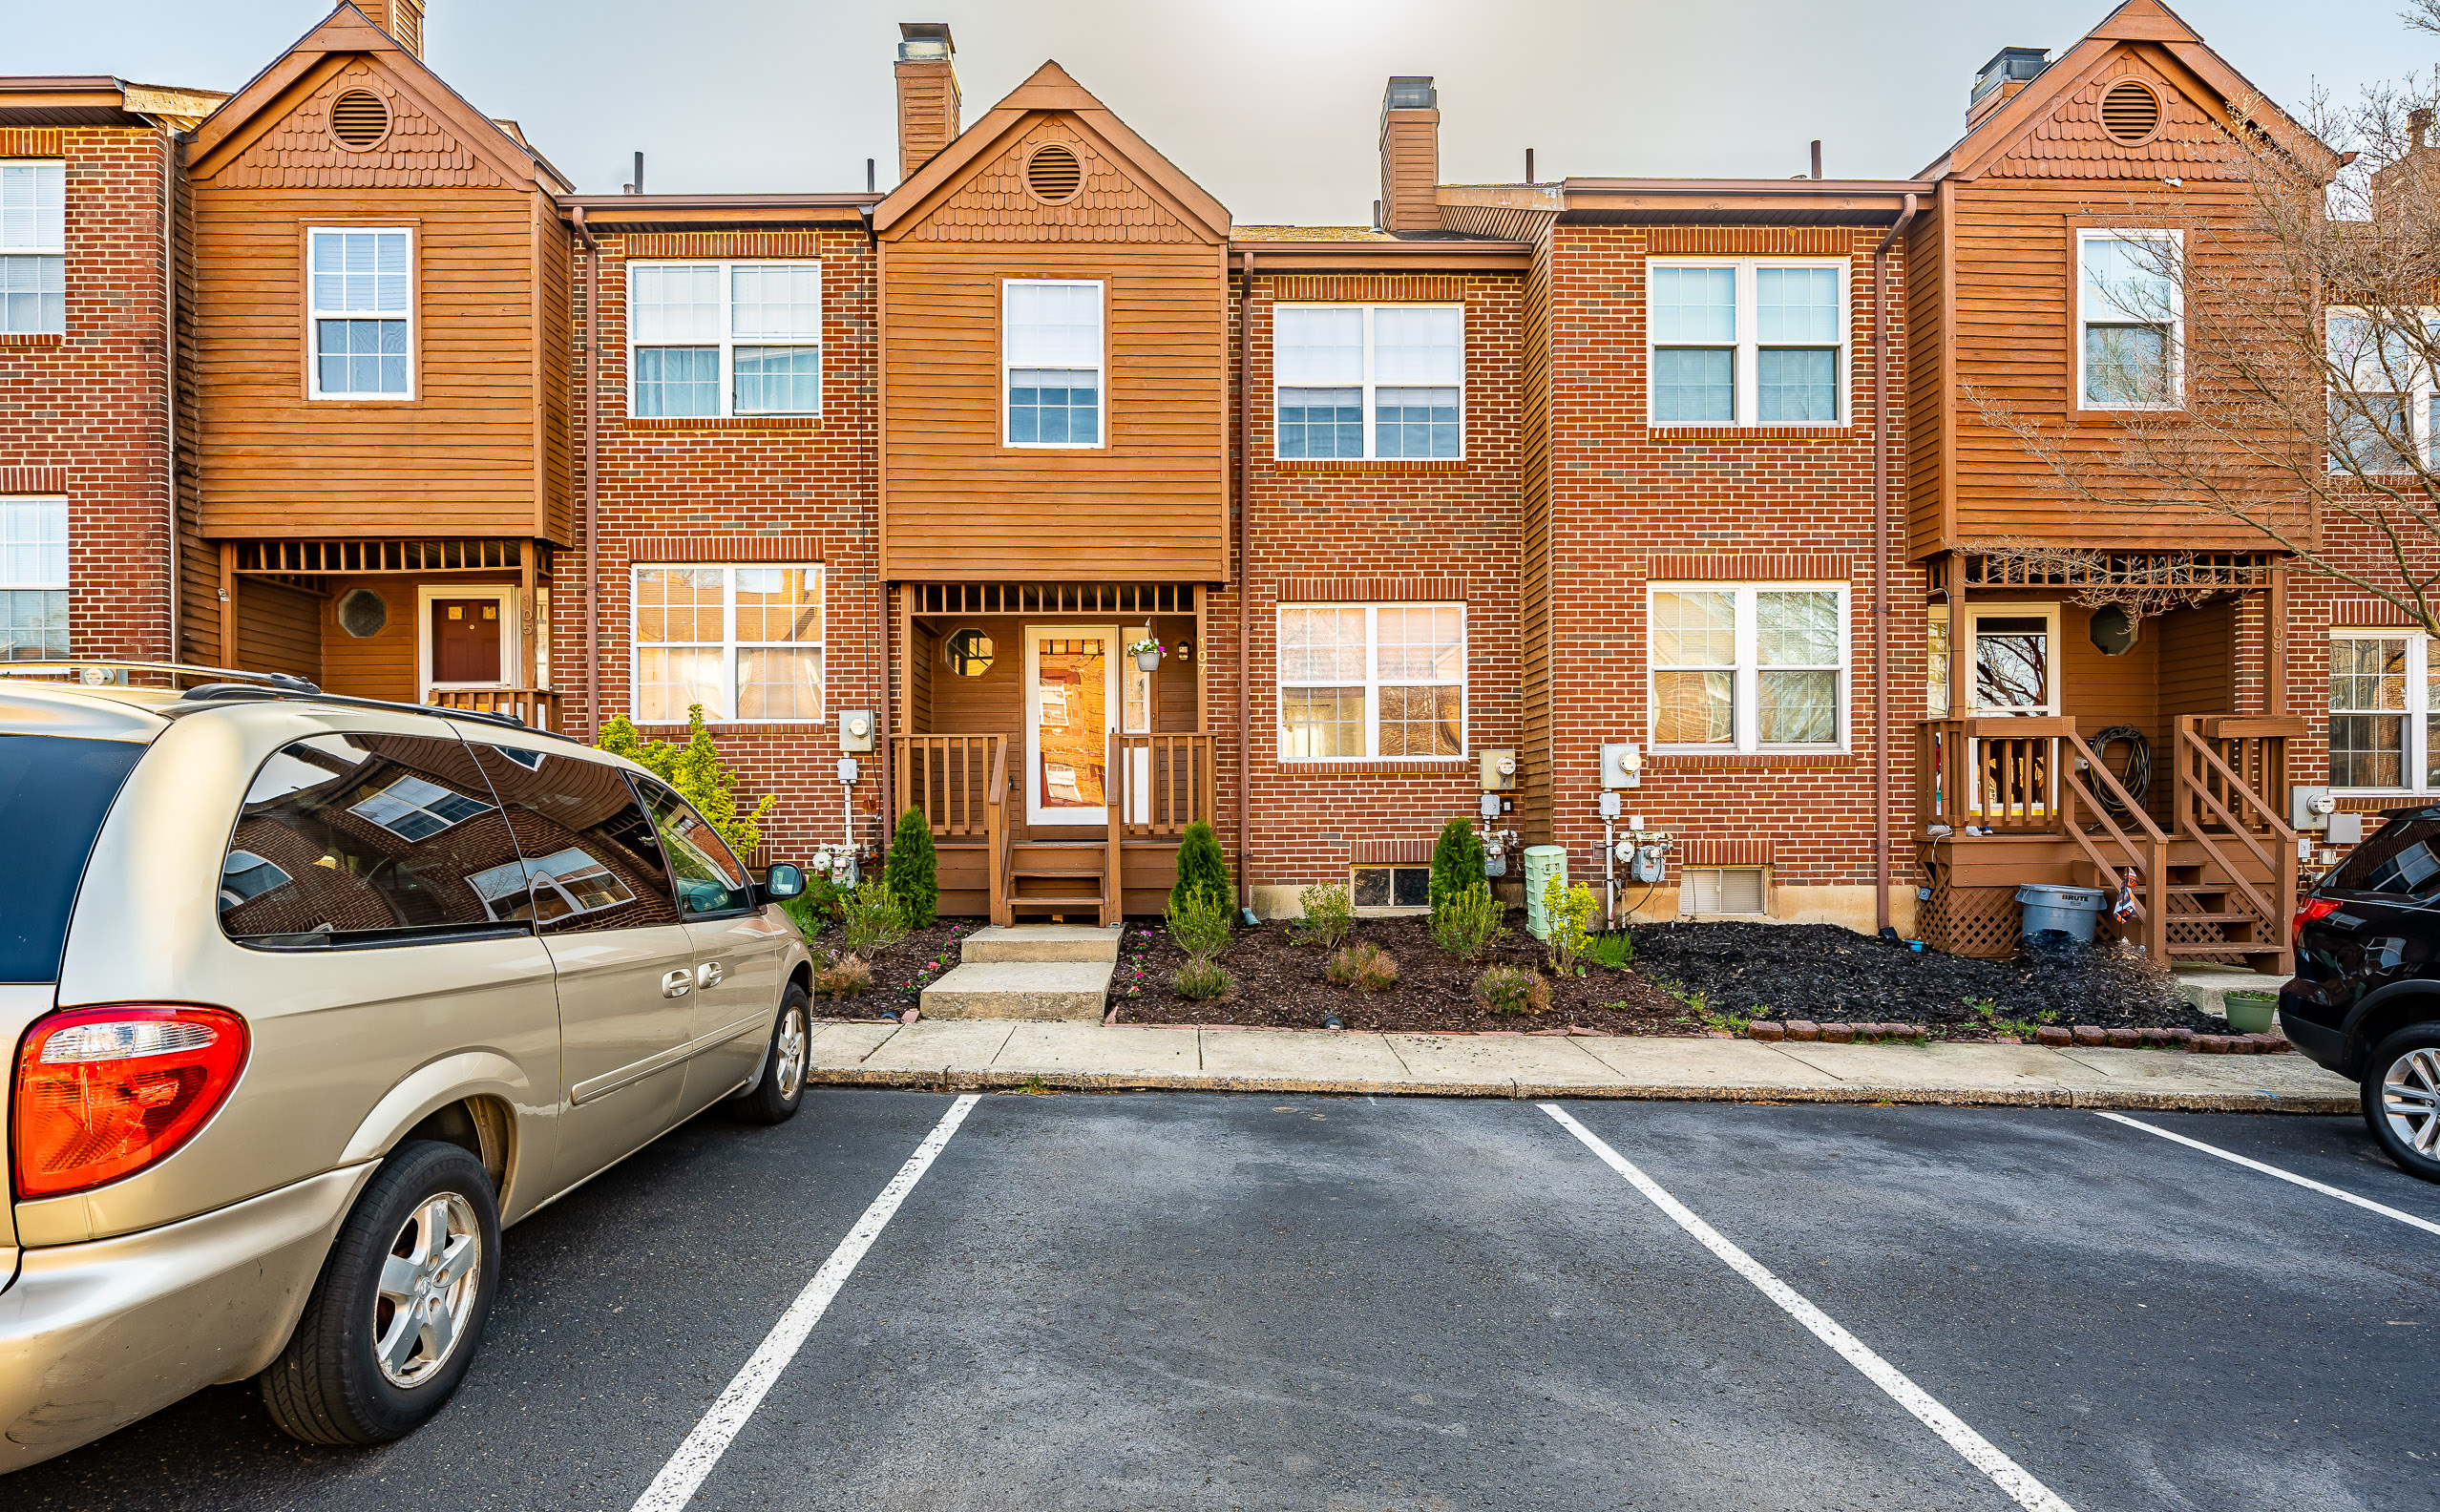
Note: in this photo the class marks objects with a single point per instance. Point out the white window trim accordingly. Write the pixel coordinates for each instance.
(2419, 392)
(1100, 370)
(59, 251)
(1938, 614)
(314, 315)
(2177, 239)
(728, 341)
(61, 585)
(1371, 385)
(2413, 719)
(729, 644)
(1748, 708)
(1747, 402)
(1371, 684)
(512, 636)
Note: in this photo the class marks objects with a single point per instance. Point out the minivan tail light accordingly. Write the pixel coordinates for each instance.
(104, 1092)
(2314, 908)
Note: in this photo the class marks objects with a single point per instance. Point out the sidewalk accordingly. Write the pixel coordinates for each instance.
(973, 1053)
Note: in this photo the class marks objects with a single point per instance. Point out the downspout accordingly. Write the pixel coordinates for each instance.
(592, 476)
(1245, 588)
(885, 687)
(1881, 571)
(169, 381)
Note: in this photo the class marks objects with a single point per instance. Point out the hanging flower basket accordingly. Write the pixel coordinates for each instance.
(1148, 655)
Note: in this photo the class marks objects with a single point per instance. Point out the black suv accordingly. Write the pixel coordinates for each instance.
(2365, 1000)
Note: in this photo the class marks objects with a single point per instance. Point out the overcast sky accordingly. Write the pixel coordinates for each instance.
(1272, 105)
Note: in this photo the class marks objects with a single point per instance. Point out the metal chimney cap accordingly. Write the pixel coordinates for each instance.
(925, 41)
(2009, 63)
(1411, 92)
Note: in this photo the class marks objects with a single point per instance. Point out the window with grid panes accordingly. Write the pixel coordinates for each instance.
(1748, 667)
(1367, 381)
(2381, 396)
(743, 642)
(1051, 362)
(359, 288)
(1742, 341)
(1360, 680)
(708, 340)
(34, 248)
(2130, 314)
(2380, 704)
(33, 578)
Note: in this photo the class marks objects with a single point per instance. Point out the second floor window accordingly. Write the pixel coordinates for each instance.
(34, 248)
(2130, 319)
(1746, 668)
(1741, 342)
(1051, 361)
(715, 339)
(1369, 381)
(359, 289)
(744, 643)
(33, 578)
(2381, 388)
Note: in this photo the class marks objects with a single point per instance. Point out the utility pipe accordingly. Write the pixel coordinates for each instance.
(169, 378)
(592, 476)
(1245, 586)
(1881, 562)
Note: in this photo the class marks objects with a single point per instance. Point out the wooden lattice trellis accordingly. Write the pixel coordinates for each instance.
(1977, 921)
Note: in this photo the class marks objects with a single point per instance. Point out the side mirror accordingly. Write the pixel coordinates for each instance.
(785, 880)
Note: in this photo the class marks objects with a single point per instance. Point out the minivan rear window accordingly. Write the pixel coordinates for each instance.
(2401, 857)
(54, 791)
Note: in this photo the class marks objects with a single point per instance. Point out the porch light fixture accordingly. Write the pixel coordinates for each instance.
(1186, 651)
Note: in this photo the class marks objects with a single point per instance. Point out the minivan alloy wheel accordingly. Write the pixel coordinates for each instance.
(427, 1288)
(789, 1046)
(2411, 1099)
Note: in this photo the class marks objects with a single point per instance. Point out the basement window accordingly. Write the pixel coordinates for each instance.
(1391, 887)
(1707, 891)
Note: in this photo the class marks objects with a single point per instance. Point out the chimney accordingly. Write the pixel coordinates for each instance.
(2008, 71)
(927, 93)
(1410, 156)
(402, 19)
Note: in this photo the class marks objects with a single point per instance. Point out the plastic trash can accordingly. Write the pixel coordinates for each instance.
(1541, 863)
(2073, 910)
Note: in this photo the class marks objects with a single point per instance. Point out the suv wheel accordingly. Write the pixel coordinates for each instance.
(2402, 1098)
(398, 1311)
(773, 1100)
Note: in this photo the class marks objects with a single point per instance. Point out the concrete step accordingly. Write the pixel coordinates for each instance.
(1041, 942)
(1070, 989)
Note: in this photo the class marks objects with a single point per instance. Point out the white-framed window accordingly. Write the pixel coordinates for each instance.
(33, 578)
(2385, 712)
(1390, 887)
(708, 340)
(1749, 667)
(743, 642)
(1367, 381)
(2129, 317)
(360, 304)
(1052, 363)
(2381, 395)
(1365, 680)
(33, 247)
(1746, 341)
(2011, 653)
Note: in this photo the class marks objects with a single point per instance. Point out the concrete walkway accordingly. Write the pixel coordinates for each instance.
(975, 1053)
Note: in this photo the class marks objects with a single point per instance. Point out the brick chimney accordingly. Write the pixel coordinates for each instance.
(1410, 156)
(402, 19)
(927, 93)
(2010, 69)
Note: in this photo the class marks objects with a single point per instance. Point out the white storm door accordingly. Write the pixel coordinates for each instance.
(1071, 710)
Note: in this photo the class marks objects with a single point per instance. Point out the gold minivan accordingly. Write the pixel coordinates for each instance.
(308, 998)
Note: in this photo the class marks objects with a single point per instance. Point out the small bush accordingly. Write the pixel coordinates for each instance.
(1613, 951)
(914, 869)
(1199, 922)
(1512, 990)
(1568, 913)
(841, 976)
(1201, 867)
(870, 918)
(1366, 968)
(1469, 922)
(1456, 862)
(696, 771)
(1200, 980)
(1329, 915)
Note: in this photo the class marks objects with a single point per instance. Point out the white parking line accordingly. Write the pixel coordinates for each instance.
(1979, 1452)
(2231, 1156)
(679, 1479)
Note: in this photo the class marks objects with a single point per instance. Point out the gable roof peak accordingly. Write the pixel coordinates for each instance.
(2144, 21)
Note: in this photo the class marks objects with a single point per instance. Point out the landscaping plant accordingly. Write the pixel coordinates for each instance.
(1200, 980)
(913, 874)
(1456, 862)
(1613, 951)
(1568, 912)
(694, 769)
(1467, 922)
(870, 918)
(841, 976)
(1366, 968)
(1512, 990)
(1199, 921)
(1330, 914)
(1201, 867)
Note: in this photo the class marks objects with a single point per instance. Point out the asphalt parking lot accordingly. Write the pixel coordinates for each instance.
(1178, 1300)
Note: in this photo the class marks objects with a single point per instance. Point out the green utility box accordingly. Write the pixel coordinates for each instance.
(1541, 863)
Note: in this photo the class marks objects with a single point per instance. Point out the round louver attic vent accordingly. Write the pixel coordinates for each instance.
(1054, 174)
(2129, 112)
(363, 613)
(359, 118)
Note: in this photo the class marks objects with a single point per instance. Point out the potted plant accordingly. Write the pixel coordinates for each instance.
(1148, 655)
(2251, 1012)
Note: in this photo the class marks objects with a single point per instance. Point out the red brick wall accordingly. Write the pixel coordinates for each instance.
(85, 414)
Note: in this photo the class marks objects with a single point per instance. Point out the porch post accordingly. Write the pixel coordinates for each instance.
(228, 605)
(1960, 698)
(2275, 644)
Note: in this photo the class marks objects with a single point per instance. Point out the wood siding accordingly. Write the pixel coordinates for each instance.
(2198, 658)
(1533, 608)
(279, 630)
(1929, 386)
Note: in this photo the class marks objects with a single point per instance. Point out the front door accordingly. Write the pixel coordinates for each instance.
(466, 641)
(1071, 710)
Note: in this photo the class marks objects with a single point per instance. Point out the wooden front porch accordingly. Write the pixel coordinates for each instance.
(2002, 802)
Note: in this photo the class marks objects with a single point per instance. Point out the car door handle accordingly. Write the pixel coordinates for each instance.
(709, 974)
(677, 983)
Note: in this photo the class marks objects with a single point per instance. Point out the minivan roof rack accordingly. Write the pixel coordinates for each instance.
(232, 684)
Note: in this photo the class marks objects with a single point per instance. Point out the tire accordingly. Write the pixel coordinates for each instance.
(2402, 1098)
(331, 1385)
(775, 1096)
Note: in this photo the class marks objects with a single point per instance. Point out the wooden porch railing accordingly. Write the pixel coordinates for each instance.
(1995, 775)
(2225, 765)
(2150, 860)
(949, 779)
(998, 832)
(1176, 784)
(536, 708)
